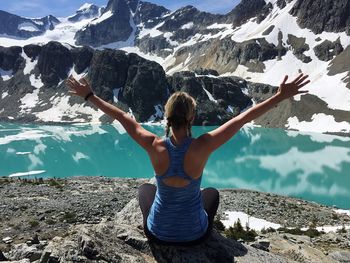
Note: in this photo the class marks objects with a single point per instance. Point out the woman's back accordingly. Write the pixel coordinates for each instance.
(177, 213)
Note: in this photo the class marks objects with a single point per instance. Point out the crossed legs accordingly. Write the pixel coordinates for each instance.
(146, 195)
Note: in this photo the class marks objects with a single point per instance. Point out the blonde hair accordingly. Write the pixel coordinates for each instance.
(179, 112)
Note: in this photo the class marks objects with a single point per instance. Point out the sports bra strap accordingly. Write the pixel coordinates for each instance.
(176, 159)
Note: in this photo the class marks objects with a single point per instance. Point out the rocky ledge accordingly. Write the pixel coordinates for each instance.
(95, 219)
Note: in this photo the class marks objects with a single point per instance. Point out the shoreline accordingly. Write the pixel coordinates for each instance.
(160, 123)
(57, 209)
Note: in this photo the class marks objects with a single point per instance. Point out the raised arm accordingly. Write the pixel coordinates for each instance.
(83, 89)
(219, 136)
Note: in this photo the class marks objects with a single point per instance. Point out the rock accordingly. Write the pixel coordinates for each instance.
(116, 27)
(245, 10)
(340, 63)
(320, 15)
(10, 58)
(149, 13)
(268, 31)
(23, 251)
(327, 50)
(299, 47)
(35, 256)
(340, 256)
(88, 249)
(7, 240)
(35, 240)
(262, 244)
(54, 63)
(82, 58)
(32, 51)
(45, 257)
(146, 79)
(281, 4)
(204, 71)
(2, 257)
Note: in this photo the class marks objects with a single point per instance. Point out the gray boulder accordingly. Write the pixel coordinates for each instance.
(340, 256)
(327, 50)
(299, 47)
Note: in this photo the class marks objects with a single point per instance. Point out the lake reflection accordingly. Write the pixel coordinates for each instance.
(311, 166)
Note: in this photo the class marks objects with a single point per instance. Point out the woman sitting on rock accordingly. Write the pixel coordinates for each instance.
(176, 211)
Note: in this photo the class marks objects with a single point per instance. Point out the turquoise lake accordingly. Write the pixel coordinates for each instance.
(310, 166)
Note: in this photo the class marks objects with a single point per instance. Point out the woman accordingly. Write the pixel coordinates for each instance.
(175, 211)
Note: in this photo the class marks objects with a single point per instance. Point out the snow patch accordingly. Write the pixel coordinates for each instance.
(4, 95)
(85, 7)
(320, 123)
(168, 36)
(210, 96)
(6, 74)
(188, 25)
(151, 32)
(246, 220)
(158, 115)
(102, 18)
(116, 94)
(30, 64)
(27, 26)
(77, 76)
(220, 26)
(61, 107)
(342, 211)
(30, 100)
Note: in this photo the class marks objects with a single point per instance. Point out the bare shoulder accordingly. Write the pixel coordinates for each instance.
(159, 144)
(201, 143)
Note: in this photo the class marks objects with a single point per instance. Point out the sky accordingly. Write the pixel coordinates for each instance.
(64, 8)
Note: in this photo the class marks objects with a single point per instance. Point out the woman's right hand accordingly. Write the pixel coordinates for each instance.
(288, 90)
(79, 88)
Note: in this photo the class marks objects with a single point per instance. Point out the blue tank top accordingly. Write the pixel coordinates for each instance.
(177, 213)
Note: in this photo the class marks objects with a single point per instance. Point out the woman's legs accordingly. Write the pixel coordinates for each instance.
(146, 196)
(210, 197)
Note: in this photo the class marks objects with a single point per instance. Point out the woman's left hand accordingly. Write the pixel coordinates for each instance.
(79, 88)
(288, 90)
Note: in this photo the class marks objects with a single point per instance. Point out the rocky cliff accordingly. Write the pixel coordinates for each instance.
(124, 79)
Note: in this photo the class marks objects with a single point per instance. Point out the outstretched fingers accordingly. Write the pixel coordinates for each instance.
(297, 79)
(285, 79)
(71, 84)
(84, 81)
(301, 80)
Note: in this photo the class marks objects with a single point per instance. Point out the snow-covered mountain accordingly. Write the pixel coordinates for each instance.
(86, 11)
(259, 41)
(21, 27)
